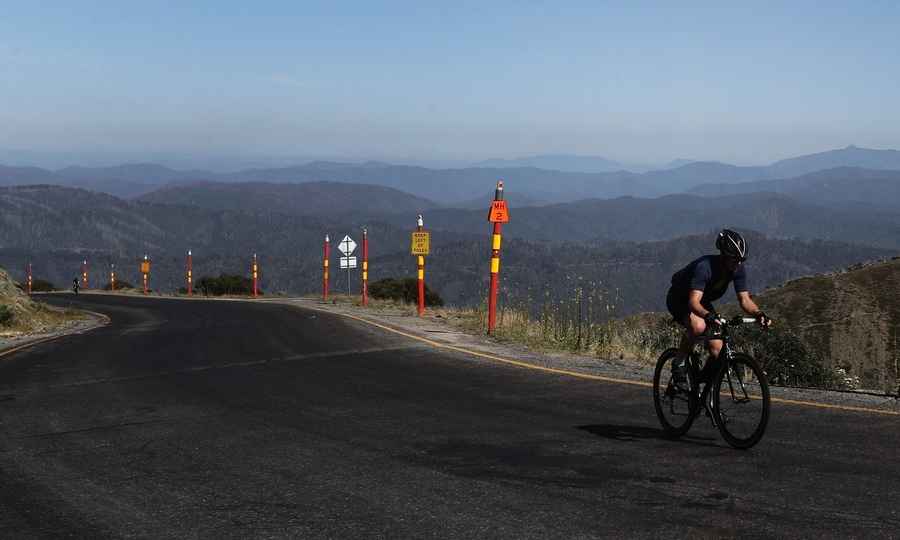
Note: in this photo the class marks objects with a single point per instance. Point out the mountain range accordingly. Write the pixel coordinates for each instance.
(456, 187)
(839, 187)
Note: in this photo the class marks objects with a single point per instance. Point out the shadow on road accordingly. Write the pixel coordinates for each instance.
(634, 433)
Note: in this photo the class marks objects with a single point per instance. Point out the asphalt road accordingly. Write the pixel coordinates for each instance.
(232, 419)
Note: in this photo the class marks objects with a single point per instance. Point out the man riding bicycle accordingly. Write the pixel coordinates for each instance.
(697, 285)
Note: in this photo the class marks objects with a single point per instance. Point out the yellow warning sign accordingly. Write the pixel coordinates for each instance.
(498, 213)
(145, 267)
(421, 243)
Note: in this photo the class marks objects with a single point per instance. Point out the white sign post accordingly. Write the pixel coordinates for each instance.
(347, 246)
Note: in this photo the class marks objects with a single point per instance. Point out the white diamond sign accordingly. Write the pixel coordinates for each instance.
(347, 245)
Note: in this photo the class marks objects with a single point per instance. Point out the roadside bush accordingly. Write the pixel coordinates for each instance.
(403, 290)
(42, 285)
(119, 285)
(225, 284)
(6, 316)
(787, 361)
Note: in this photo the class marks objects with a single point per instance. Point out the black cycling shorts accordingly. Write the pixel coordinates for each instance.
(678, 306)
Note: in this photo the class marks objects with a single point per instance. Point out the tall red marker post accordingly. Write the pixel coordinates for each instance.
(365, 268)
(254, 269)
(190, 274)
(112, 277)
(84, 275)
(28, 279)
(498, 215)
(145, 272)
(421, 246)
(327, 250)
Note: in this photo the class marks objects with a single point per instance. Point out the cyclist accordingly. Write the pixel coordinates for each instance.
(75, 285)
(697, 285)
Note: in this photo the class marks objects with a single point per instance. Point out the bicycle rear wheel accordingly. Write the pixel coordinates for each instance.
(741, 402)
(674, 401)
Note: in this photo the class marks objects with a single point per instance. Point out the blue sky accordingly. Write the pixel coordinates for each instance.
(633, 81)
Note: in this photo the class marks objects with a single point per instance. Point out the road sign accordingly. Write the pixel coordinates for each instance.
(347, 245)
(145, 267)
(499, 213)
(421, 243)
(348, 262)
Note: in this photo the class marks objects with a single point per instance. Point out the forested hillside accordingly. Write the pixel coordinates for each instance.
(57, 228)
(311, 198)
(673, 216)
(628, 277)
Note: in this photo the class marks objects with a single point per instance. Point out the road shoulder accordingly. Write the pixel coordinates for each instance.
(437, 330)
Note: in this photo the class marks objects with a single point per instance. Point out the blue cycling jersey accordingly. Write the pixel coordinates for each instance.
(709, 275)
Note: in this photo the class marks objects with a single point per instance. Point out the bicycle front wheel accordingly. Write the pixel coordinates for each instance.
(741, 402)
(675, 403)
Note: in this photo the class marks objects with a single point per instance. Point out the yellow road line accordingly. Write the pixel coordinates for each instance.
(586, 376)
(835, 407)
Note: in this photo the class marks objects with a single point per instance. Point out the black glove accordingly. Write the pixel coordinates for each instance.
(711, 318)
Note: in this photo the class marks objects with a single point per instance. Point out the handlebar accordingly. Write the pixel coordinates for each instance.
(735, 321)
(723, 323)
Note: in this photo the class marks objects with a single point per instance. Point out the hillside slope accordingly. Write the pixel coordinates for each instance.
(672, 216)
(851, 319)
(832, 187)
(311, 198)
(19, 314)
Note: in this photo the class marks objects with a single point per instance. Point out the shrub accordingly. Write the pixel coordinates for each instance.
(6, 316)
(225, 284)
(404, 290)
(786, 360)
(42, 285)
(119, 285)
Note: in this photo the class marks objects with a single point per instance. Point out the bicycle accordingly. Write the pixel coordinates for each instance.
(736, 398)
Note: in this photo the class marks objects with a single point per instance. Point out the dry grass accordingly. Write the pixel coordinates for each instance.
(638, 338)
(20, 315)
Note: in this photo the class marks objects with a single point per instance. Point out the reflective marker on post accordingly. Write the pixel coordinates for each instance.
(254, 269)
(365, 268)
(498, 215)
(84, 275)
(112, 277)
(28, 279)
(325, 272)
(190, 274)
(145, 271)
(420, 267)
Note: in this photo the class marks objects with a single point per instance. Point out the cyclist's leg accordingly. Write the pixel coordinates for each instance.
(679, 310)
(713, 346)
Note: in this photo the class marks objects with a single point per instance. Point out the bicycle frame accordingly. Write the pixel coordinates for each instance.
(725, 359)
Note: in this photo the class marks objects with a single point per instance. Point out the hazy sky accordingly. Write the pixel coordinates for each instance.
(742, 82)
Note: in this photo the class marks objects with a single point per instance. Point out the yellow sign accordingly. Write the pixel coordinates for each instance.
(498, 213)
(145, 267)
(421, 243)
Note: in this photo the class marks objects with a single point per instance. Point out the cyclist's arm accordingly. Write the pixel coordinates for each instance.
(694, 303)
(748, 305)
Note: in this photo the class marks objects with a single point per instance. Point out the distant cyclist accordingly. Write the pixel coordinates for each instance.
(698, 284)
(75, 285)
